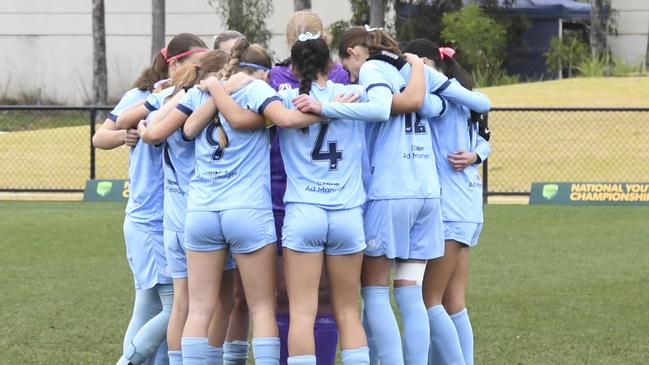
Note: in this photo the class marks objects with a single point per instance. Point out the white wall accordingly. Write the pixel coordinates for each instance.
(47, 45)
(633, 28)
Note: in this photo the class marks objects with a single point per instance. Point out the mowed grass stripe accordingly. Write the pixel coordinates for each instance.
(548, 285)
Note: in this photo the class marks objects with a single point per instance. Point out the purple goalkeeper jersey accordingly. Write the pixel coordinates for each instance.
(281, 77)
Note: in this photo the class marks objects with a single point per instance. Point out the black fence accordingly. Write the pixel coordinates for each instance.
(49, 149)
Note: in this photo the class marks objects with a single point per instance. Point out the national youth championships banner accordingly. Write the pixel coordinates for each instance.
(590, 193)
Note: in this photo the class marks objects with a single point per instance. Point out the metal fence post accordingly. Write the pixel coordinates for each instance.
(93, 117)
(485, 171)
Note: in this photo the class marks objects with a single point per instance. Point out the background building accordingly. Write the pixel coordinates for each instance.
(47, 45)
(630, 44)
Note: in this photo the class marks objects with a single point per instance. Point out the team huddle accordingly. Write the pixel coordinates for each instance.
(275, 194)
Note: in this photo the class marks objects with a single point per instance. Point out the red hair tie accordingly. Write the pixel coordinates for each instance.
(446, 52)
(187, 53)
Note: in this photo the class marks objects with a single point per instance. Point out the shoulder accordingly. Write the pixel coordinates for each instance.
(338, 74)
(282, 76)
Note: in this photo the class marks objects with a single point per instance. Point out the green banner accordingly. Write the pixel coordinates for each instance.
(590, 193)
(100, 190)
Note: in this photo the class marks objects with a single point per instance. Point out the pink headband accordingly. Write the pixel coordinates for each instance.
(446, 51)
(163, 52)
(181, 55)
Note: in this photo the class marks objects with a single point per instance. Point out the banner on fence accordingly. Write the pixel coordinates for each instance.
(590, 193)
(100, 190)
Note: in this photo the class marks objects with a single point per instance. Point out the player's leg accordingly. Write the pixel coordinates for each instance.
(206, 255)
(236, 346)
(454, 303)
(177, 267)
(445, 346)
(221, 315)
(253, 245)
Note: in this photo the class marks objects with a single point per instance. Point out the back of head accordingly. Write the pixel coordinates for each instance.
(374, 39)
(226, 35)
(442, 59)
(303, 21)
(310, 57)
(246, 56)
(190, 74)
(159, 69)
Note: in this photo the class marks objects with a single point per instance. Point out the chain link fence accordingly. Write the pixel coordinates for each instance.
(49, 149)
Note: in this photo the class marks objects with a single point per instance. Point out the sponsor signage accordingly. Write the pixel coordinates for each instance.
(100, 190)
(590, 193)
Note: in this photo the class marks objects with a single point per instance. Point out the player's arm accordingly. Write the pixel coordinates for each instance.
(283, 117)
(482, 149)
(108, 137)
(130, 117)
(457, 94)
(412, 97)
(160, 127)
(236, 116)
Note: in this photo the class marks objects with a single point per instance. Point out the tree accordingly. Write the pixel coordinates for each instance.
(99, 69)
(598, 28)
(157, 26)
(480, 40)
(377, 13)
(566, 53)
(246, 16)
(301, 4)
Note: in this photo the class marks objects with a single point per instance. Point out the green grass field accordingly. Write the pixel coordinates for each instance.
(526, 146)
(549, 285)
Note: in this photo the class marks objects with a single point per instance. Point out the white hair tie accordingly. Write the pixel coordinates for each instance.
(370, 29)
(303, 37)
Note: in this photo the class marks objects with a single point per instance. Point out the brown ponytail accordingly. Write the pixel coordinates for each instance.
(243, 51)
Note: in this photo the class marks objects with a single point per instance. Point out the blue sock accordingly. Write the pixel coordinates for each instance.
(194, 350)
(416, 331)
(465, 334)
(266, 350)
(175, 357)
(283, 322)
(374, 358)
(359, 356)
(382, 324)
(325, 334)
(301, 360)
(444, 343)
(214, 355)
(235, 352)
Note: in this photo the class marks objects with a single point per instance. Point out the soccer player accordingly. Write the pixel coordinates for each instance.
(281, 78)
(460, 145)
(403, 214)
(229, 204)
(324, 221)
(178, 162)
(143, 232)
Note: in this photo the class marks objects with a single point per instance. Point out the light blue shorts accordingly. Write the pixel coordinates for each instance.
(145, 253)
(404, 228)
(177, 259)
(243, 230)
(308, 228)
(463, 232)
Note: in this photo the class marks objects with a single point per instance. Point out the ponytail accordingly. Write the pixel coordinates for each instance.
(149, 76)
(444, 60)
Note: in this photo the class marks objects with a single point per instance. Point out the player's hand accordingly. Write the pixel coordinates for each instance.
(237, 81)
(307, 104)
(462, 159)
(346, 98)
(209, 83)
(131, 136)
(412, 59)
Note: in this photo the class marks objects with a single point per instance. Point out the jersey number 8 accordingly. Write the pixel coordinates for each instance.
(209, 134)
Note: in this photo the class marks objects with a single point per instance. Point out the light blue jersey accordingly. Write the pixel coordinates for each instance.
(399, 149)
(178, 167)
(323, 164)
(454, 130)
(237, 176)
(128, 99)
(144, 208)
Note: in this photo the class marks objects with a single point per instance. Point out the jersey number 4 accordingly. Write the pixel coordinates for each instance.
(331, 154)
(418, 127)
(218, 151)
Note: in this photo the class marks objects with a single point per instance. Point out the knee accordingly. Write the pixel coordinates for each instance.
(453, 304)
(240, 304)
